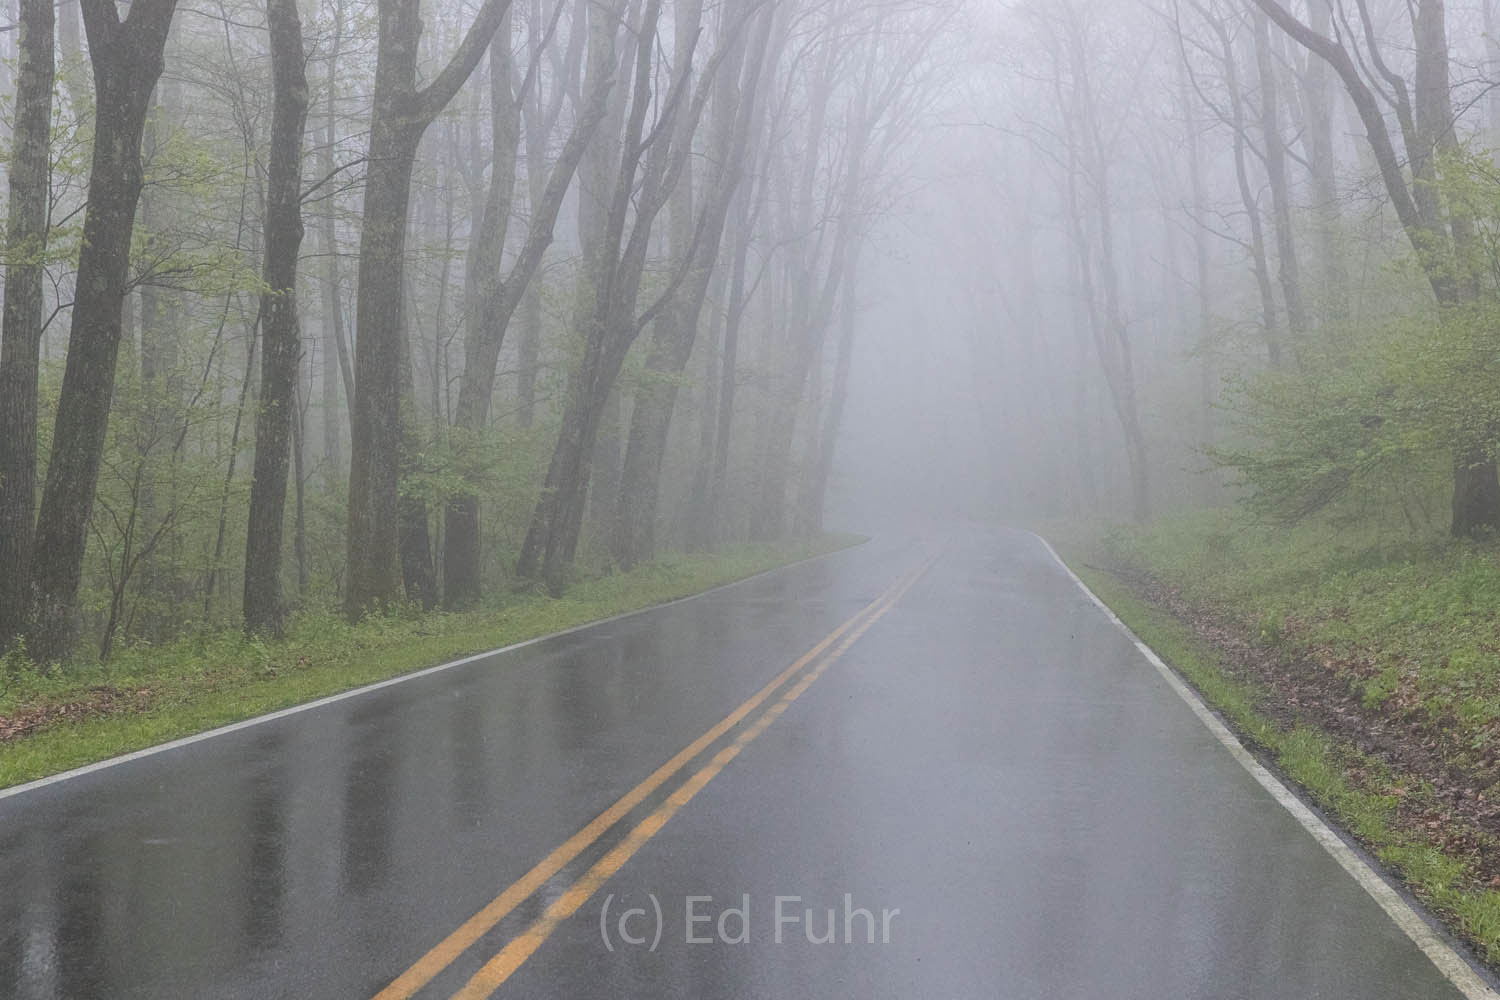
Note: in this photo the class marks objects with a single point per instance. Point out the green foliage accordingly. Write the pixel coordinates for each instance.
(179, 242)
(1409, 623)
(1356, 434)
(499, 463)
(1370, 416)
(216, 676)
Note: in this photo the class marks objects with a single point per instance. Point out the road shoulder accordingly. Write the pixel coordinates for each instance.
(1377, 806)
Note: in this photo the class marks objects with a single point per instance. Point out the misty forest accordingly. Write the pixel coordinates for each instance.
(334, 309)
(359, 308)
(342, 339)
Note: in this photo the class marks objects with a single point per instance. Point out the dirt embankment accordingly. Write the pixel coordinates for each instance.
(97, 701)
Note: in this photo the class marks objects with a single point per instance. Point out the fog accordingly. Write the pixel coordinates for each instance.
(1145, 251)
(320, 314)
(543, 436)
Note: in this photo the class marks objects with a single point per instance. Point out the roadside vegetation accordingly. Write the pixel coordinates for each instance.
(1361, 663)
(85, 710)
(1409, 627)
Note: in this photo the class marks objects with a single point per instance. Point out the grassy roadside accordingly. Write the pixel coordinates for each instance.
(1410, 625)
(1384, 808)
(88, 712)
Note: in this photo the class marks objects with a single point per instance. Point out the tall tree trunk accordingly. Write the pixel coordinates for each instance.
(127, 58)
(631, 500)
(541, 115)
(158, 325)
(734, 315)
(809, 516)
(299, 484)
(336, 369)
(599, 242)
(634, 534)
(414, 531)
(1492, 64)
(1086, 468)
(439, 386)
(529, 355)
(811, 319)
(21, 332)
(552, 539)
(401, 114)
(497, 300)
(1287, 270)
(1114, 339)
(281, 354)
(607, 459)
(811, 295)
(1317, 131)
(1112, 336)
(1259, 262)
(374, 476)
(485, 331)
(699, 525)
(70, 48)
(1203, 339)
(1476, 473)
(335, 374)
(613, 274)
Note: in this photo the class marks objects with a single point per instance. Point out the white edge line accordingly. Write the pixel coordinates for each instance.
(1449, 962)
(308, 706)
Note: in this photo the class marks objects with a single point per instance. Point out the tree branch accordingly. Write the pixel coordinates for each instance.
(429, 102)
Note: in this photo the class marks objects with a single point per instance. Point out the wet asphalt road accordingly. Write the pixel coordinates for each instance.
(992, 759)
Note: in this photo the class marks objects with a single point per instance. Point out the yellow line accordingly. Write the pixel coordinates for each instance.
(444, 952)
(500, 968)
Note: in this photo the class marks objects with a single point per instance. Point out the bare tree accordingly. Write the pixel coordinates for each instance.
(695, 240)
(649, 164)
(401, 115)
(1315, 109)
(1232, 114)
(127, 58)
(21, 333)
(337, 370)
(1288, 271)
(498, 293)
(282, 354)
(1089, 155)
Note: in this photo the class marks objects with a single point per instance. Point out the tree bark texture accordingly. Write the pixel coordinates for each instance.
(281, 353)
(21, 332)
(127, 58)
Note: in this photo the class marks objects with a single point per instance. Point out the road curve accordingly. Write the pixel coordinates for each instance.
(920, 768)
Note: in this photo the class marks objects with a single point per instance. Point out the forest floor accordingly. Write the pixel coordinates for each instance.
(87, 711)
(1365, 668)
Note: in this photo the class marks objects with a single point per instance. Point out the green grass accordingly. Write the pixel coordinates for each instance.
(1360, 792)
(198, 683)
(1412, 625)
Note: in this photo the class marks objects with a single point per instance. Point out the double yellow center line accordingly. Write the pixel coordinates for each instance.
(520, 948)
